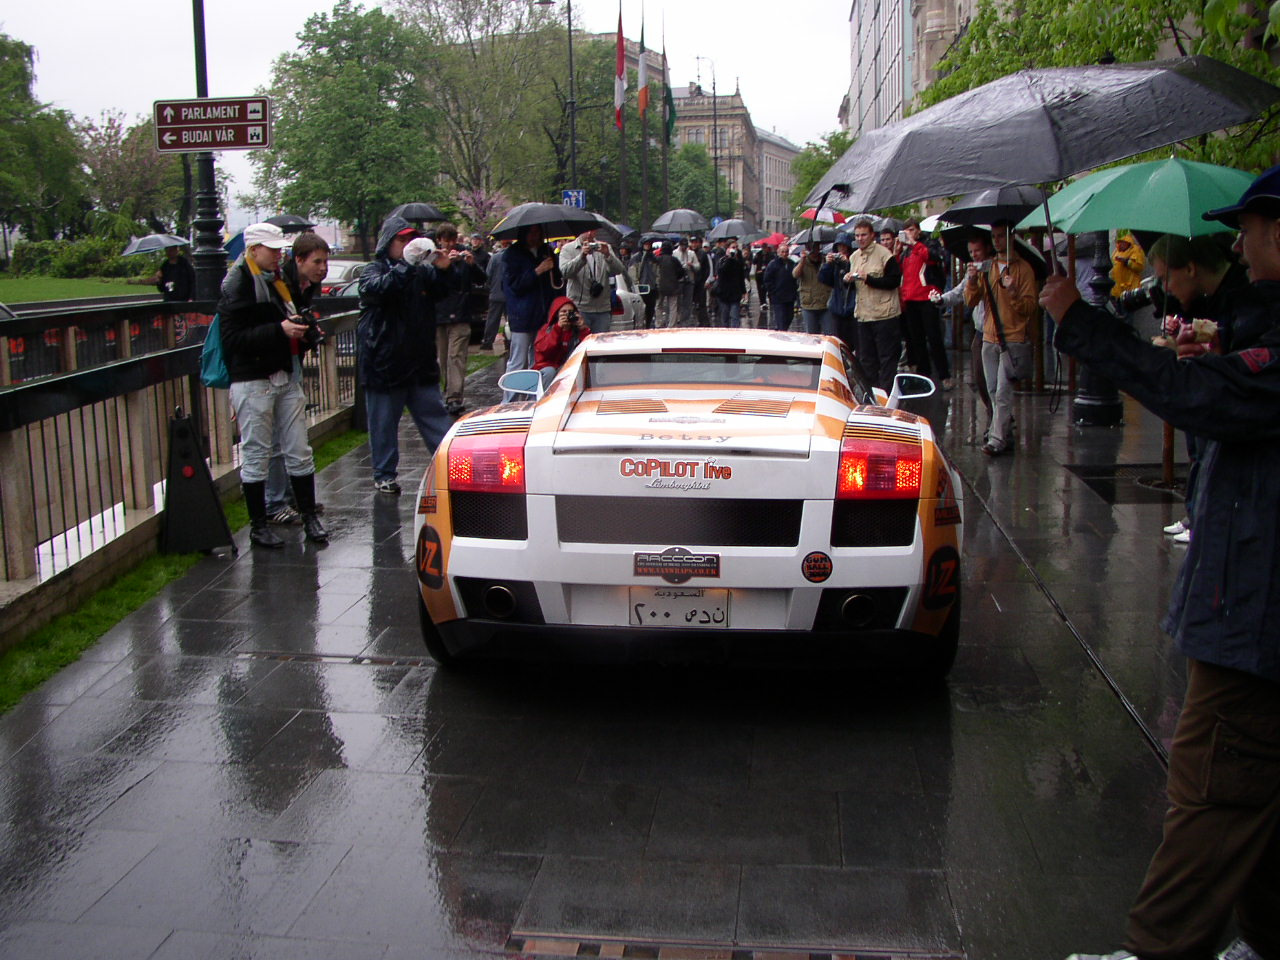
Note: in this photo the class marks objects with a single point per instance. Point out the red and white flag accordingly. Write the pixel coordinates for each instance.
(620, 77)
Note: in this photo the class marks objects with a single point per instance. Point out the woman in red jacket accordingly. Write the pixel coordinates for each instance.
(563, 331)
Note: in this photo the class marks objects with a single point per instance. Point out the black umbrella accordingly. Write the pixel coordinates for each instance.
(555, 219)
(607, 230)
(152, 243)
(1039, 126)
(994, 205)
(730, 228)
(680, 221)
(891, 224)
(818, 234)
(290, 222)
(418, 212)
(956, 240)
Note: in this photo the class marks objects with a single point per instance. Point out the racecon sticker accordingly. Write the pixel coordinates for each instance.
(677, 564)
(816, 567)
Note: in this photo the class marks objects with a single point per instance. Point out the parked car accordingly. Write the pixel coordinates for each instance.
(341, 273)
(689, 492)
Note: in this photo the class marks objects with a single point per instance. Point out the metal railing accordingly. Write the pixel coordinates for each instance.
(85, 400)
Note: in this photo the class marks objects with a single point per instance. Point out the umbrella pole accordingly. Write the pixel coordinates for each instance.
(1071, 275)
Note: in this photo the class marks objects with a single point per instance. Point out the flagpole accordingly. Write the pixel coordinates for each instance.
(620, 98)
(642, 92)
(666, 121)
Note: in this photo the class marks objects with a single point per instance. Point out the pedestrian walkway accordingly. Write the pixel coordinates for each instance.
(262, 761)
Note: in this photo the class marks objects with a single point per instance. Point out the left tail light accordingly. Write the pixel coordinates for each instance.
(878, 470)
(488, 463)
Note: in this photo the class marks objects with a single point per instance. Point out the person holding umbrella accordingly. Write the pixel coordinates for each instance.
(529, 274)
(1007, 290)
(176, 278)
(1220, 851)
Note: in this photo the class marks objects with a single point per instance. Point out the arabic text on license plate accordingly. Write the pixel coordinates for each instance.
(679, 607)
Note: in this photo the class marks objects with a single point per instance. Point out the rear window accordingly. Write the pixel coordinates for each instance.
(341, 270)
(746, 369)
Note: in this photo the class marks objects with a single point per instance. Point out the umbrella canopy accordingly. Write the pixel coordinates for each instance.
(152, 243)
(417, 212)
(730, 228)
(608, 231)
(891, 224)
(825, 215)
(994, 205)
(772, 239)
(956, 240)
(818, 234)
(1166, 196)
(1038, 126)
(556, 220)
(625, 230)
(680, 220)
(290, 223)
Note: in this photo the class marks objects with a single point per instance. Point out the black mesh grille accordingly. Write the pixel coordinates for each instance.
(494, 516)
(873, 523)
(712, 523)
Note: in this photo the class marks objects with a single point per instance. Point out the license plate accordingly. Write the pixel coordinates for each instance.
(679, 607)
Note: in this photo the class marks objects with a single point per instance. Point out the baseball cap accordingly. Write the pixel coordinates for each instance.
(1261, 197)
(409, 232)
(266, 234)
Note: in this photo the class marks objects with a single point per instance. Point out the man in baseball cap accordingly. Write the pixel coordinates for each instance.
(1220, 853)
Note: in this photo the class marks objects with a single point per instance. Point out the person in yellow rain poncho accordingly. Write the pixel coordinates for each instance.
(1127, 263)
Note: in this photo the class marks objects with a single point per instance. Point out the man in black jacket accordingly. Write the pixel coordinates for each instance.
(396, 342)
(263, 338)
(1220, 853)
(176, 278)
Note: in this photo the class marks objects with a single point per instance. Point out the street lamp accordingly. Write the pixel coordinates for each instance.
(573, 101)
(715, 134)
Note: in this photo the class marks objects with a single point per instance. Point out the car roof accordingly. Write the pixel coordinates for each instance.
(710, 340)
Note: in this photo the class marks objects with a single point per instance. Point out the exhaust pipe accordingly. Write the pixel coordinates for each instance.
(499, 602)
(858, 610)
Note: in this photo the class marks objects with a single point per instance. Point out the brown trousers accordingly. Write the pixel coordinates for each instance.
(451, 355)
(1221, 846)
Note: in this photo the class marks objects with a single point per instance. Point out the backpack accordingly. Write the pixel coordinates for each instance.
(213, 368)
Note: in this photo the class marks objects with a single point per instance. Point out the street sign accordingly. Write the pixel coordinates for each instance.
(191, 126)
(574, 198)
(716, 221)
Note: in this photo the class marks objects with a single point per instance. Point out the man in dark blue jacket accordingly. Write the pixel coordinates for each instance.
(780, 289)
(396, 342)
(1221, 846)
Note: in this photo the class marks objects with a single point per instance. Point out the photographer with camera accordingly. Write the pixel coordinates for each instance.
(731, 283)
(587, 265)
(672, 275)
(560, 335)
(453, 313)
(814, 293)
(923, 275)
(263, 339)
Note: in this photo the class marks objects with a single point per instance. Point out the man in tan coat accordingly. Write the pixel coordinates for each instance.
(878, 309)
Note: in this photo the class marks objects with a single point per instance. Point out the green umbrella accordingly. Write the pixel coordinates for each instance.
(1163, 196)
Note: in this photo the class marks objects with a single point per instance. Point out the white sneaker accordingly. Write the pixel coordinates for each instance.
(1178, 526)
(1183, 537)
(1239, 950)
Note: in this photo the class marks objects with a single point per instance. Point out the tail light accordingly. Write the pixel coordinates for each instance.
(878, 470)
(488, 463)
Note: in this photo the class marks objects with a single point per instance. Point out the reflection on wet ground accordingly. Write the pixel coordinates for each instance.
(262, 762)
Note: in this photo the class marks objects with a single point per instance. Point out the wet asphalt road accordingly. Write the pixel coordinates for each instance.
(263, 763)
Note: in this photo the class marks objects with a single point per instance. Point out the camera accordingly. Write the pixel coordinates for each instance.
(1150, 294)
(596, 289)
(315, 334)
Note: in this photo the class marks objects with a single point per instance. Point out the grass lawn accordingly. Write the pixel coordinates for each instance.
(32, 289)
(60, 642)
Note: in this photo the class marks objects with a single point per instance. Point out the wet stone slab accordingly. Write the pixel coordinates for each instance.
(225, 774)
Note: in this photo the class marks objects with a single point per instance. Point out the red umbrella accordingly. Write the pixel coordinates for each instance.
(772, 239)
(826, 215)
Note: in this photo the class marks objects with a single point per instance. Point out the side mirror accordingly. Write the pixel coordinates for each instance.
(528, 382)
(641, 288)
(910, 386)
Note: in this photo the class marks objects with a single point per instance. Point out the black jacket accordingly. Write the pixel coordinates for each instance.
(779, 281)
(460, 280)
(731, 278)
(182, 275)
(1226, 604)
(254, 343)
(396, 335)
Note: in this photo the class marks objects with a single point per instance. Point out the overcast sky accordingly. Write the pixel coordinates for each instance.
(790, 59)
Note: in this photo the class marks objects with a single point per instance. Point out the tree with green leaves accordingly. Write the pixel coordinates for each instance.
(1003, 38)
(355, 133)
(42, 188)
(815, 159)
(134, 187)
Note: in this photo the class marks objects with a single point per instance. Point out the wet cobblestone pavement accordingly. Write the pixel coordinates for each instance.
(262, 762)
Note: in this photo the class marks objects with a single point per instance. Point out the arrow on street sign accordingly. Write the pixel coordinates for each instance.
(192, 126)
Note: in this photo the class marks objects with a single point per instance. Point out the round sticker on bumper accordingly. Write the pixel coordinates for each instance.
(816, 567)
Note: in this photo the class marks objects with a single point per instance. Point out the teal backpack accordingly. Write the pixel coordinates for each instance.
(213, 368)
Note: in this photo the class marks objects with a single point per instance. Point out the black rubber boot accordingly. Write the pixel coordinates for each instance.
(255, 499)
(304, 491)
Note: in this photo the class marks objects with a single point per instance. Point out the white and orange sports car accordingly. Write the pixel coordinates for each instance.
(686, 492)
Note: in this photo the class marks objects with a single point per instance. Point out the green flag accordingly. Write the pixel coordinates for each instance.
(668, 98)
